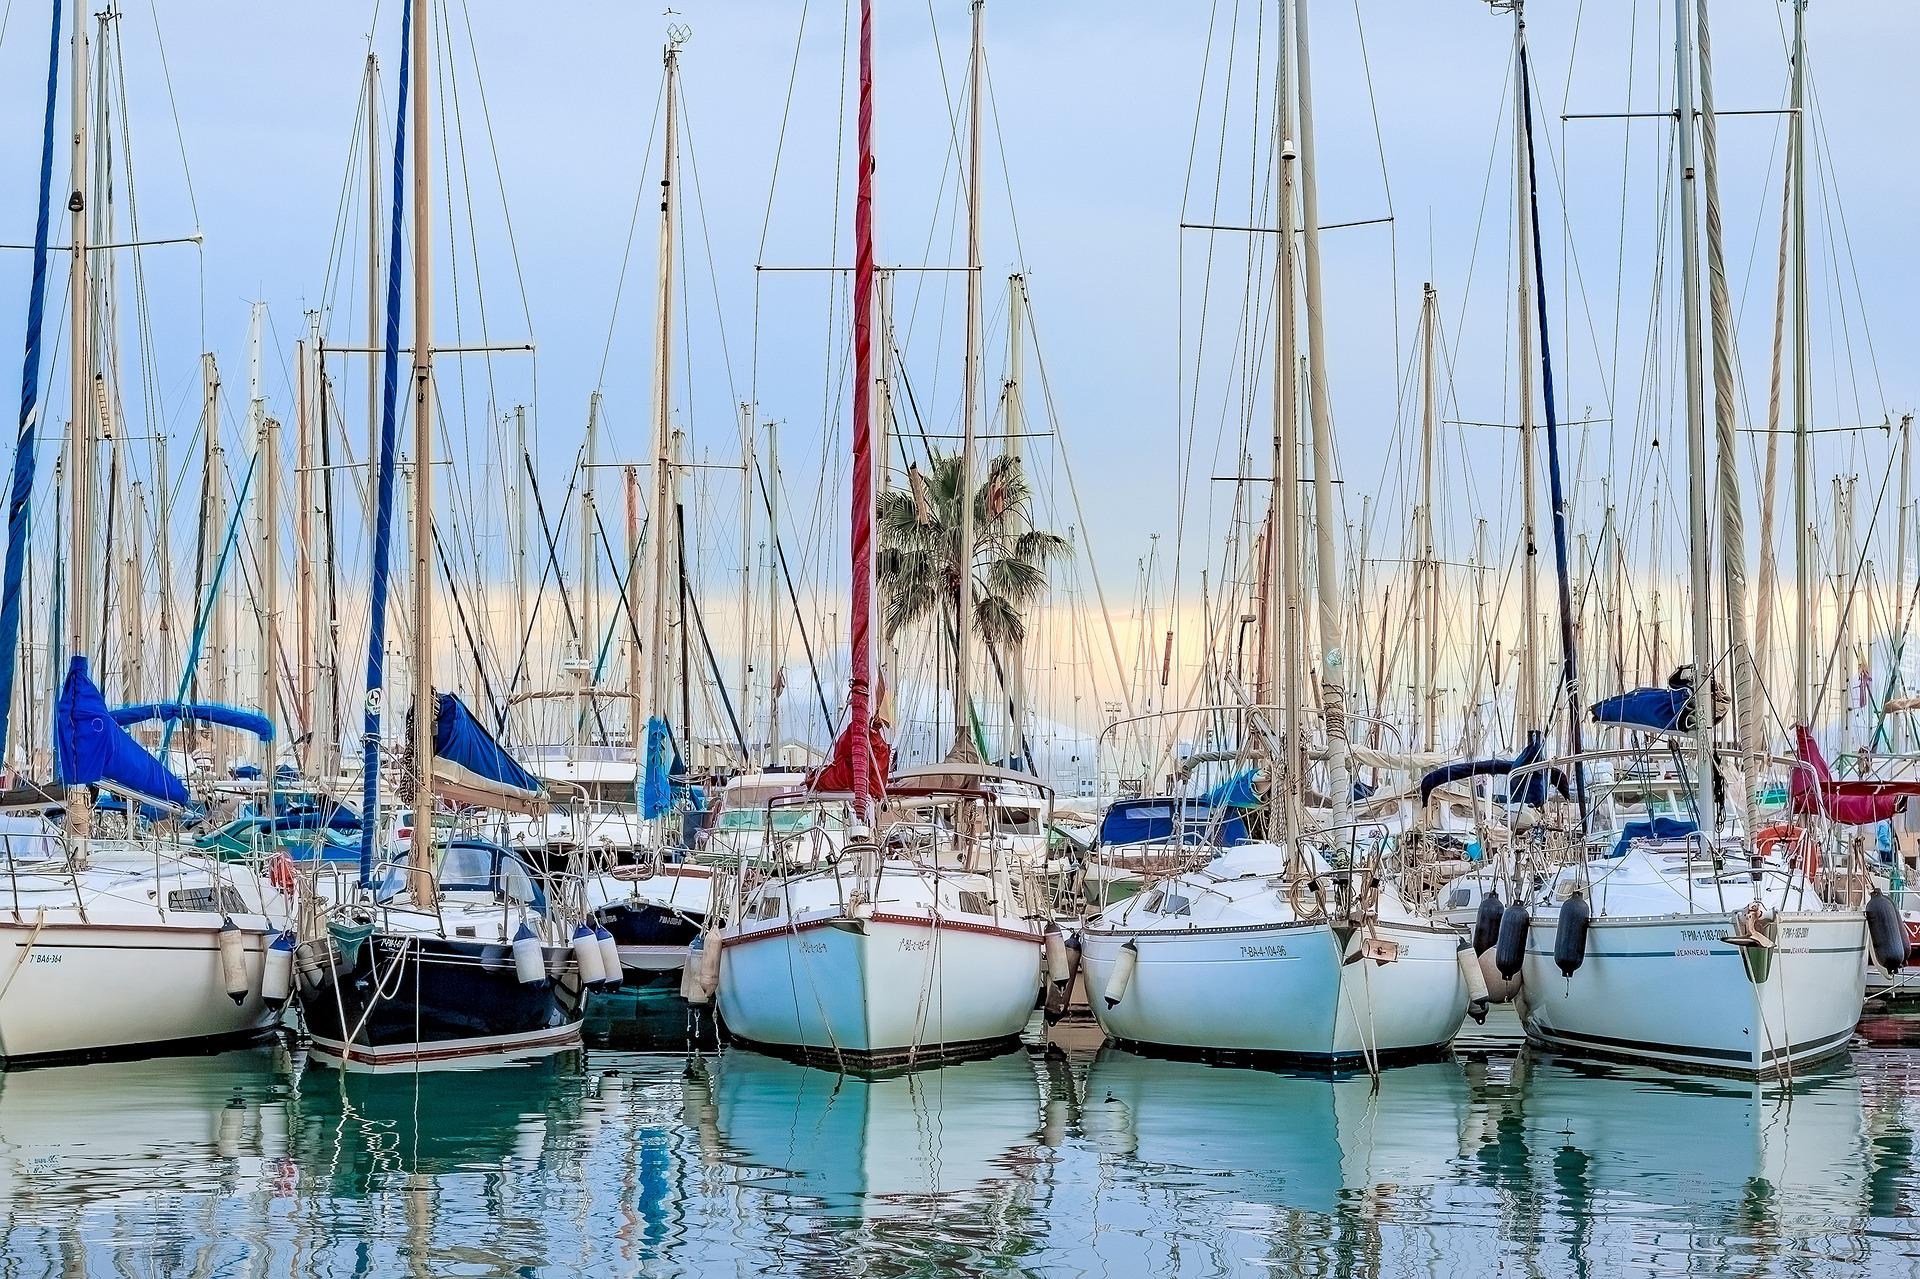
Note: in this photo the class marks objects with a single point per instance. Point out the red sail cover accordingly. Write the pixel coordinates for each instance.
(1856, 802)
(838, 775)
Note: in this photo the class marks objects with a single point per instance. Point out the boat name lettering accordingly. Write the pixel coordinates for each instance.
(1795, 932)
(46, 957)
(1701, 934)
(908, 943)
(1263, 952)
(1691, 954)
(813, 948)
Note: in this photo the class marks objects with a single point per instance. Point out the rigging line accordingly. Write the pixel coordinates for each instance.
(1830, 184)
(799, 617)
(706, 239)
(780, 140)
(1386, 185)
(551, 569)
(466, 628)
(626, 255)
(186, 170)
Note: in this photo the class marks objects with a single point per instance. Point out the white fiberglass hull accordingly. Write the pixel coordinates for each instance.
(889, 988)
(1281, 990)
(69, 988)
(1670, 990)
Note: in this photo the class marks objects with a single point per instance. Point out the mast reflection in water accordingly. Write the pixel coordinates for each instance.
(1043, 1161)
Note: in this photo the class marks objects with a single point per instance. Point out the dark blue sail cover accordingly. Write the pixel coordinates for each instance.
(1663, 710)
(20, 493)
(91, 749)
(1234, 792)
(1176, 819)
(235, 717)
(1533, 787)
(470, 767)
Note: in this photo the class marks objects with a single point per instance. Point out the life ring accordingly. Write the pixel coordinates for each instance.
(1802, 853)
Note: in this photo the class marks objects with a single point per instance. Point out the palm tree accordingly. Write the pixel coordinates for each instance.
(920, 571)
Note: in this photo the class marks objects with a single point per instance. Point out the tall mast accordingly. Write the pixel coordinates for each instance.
(518, 487)
(661, 516)
(589, 565)
(1333, 689)
(374, 336)
(1747, 731)
(1802, 390)
(80, 592)
(860, 639)
(963, 744)
(421, 858)
(1699, 515)
(774, 673)
(1527, 697)
(1426, 600)
(1283, 541)
(636, 726)
(303, 520)
(746, 567)
(1016, 425)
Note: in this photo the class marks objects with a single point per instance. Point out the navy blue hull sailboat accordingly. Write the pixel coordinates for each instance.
(442, 955)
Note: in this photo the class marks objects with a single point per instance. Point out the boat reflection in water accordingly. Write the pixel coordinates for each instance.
(99, 1159)
(930, 1168)
(1495, 1164)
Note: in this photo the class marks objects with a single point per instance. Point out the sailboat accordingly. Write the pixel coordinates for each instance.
(133, 943)
(453, 955)
(914, 945)
(1700, 940)
(1298, 946)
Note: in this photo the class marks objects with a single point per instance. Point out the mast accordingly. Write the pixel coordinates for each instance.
(1747, 731)
(1016, 425)
(963, 744)
(589, 575)
(81, 583)
(519, 488)
(1527, 697)
(214, 500)
(421, 881)
(746, 566)
(860, 641)
(1283, 541)
(774, 671)
(132, 620)
(1333, 690)
(1802, 389)
(1426, 599)
(636, 727)
(264, 440)
(1698, 512)
(372, 91)
(303, 543)
(661, 513)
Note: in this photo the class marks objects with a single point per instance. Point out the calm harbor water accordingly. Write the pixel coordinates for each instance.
(1074, 1160)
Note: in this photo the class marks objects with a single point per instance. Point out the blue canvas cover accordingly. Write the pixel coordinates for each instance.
(201, 712)
(1653, 828)
(470, 767)
(1533, 788)
(656, 788)
(1235, 792)
(90, 749)
(1152, 820)
(1663, 710)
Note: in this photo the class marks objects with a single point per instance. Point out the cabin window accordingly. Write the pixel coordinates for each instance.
(768, 907)
(1459, 897)
(1018, 822)
(227, 902)
(974, 903)
(1174, 904)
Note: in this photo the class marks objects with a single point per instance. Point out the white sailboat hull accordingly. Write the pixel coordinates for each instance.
(71, 988)
(1281, 990)
(890, 988)
(1670, 990)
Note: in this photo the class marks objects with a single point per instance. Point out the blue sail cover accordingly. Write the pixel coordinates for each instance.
(470, 767)
(1664, 710)
(656, 787)
(201, 712)
(1165, 819)
(1235, 792)
(1533, 787)
(20, 499)
(91, 749)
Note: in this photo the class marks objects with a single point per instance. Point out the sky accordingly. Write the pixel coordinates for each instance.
(1109, 124)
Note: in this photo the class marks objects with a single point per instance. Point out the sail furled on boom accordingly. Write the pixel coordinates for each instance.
(90, 749)
(470, 767)
(20, 494)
